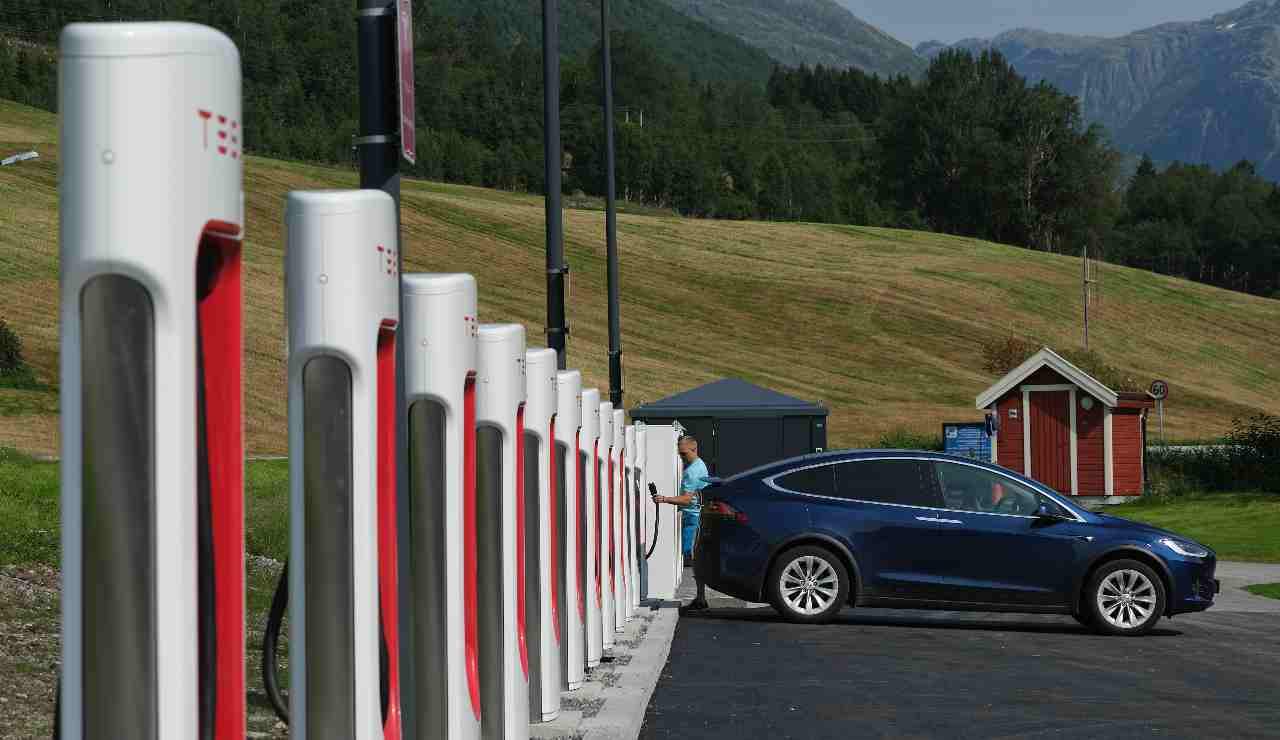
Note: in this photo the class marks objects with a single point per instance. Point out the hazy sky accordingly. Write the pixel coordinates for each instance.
(914, 21)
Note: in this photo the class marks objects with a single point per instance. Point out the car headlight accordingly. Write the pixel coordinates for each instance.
(1186, 549)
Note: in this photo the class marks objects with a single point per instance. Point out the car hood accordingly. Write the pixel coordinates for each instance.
(1119, 522)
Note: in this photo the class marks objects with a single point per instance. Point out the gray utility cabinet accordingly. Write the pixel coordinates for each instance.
(740, 425)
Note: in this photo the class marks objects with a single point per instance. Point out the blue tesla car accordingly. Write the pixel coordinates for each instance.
(919, 530)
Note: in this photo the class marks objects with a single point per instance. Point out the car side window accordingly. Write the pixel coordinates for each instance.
(819, 481)
(905, 482)
(967, 488)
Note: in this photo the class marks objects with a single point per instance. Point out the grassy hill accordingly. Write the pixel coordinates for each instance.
(881, 325)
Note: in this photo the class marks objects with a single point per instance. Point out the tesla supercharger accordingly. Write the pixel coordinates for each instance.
(616, 513)
(625, 516)
(590, 457)
(629, 518)
(662, 469)
(645, 514)
(343, 312)
(639, 501)
(152, 464)
(440, 332)
(604, 529)
(541, 589)
(569, 502)
(500, 399)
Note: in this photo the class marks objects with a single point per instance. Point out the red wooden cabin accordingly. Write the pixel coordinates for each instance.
(1064, 428)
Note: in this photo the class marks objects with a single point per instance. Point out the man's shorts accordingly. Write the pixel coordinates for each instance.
(688, 535)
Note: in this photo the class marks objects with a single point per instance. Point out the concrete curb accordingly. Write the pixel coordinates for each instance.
(611, 702)
(625, 702)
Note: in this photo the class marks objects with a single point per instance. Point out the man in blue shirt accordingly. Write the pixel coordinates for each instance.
(695, 479)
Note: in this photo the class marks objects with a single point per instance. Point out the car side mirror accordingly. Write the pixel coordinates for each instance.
(1049, 512)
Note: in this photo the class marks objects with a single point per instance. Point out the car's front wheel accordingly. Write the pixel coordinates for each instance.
(1125, 597)
(808, 585)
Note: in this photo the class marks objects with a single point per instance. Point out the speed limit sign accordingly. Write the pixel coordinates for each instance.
(1159, 390)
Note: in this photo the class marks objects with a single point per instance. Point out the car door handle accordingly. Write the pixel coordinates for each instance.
(936, 520)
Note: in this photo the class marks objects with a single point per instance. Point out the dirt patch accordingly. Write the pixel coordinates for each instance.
(29, 631)
(30, 623)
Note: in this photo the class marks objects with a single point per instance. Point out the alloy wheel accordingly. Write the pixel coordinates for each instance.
(1126, 599)
(809, 585)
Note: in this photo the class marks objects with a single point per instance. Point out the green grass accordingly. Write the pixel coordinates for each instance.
(29, 496)
(266, 509)
(27, 401)
(1269, 590)
(29, 509)
(1239, 526)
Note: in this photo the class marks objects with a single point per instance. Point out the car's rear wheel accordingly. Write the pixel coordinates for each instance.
(808, 584)
(1125, 597)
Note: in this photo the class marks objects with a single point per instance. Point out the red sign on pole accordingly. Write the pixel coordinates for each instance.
(404, 32)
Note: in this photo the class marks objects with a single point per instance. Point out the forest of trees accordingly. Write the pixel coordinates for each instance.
(970, 148)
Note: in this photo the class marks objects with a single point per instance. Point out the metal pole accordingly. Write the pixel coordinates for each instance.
(610, 213)
(557, 329)
(379, 154)
(1084, 266)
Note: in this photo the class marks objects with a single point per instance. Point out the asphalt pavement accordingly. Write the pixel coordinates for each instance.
(740, 672)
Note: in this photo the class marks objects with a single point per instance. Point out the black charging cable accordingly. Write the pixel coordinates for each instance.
(270, 645)
(653, 541)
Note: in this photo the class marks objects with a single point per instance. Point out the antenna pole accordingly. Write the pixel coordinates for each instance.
(1084, 266)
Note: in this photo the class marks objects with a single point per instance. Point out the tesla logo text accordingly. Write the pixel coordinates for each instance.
(223, 133)
(387, 260)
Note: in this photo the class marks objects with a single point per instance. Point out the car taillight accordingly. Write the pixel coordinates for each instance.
(720, 508)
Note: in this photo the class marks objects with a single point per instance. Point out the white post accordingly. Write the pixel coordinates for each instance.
(605, 523)
(342, 310)
(568, 425)
(440, 332)
(542, 591)
(619, 500)
(590, 440)
(152, 469)
(504, 681)
(662, 468)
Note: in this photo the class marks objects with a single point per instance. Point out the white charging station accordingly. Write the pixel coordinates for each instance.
(605, 524)
(500, 399)
(629, 517)
(152, 470)
(440, 334)
(662, 468)
(625, 519)
(639, 500)
(343, 311)
(645, 514)
(589, 441)
(541, 590)
(619, 528)
(569, 500)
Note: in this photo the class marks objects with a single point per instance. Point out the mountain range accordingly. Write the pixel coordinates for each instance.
(707, 52)
(717, 39)
(1203, 91)
(812, 32)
